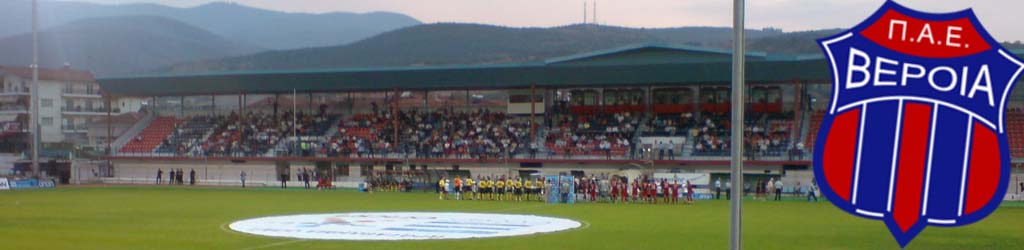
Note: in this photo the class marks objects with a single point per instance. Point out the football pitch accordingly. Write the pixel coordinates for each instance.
(136, 217)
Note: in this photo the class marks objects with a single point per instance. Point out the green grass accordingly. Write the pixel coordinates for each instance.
(197, 218)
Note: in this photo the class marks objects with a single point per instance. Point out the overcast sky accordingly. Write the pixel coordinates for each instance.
(998, 16)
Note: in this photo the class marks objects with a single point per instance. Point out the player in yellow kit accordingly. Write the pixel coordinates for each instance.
(499, 186)
(509, 188)
(527, 189)
(490, 189)
(469, 188)
(518, 187)
(483, 189)
(442, 190)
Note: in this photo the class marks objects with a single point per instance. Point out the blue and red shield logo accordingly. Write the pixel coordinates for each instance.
(915, 132)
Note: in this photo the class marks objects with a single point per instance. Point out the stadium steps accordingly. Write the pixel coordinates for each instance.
(151, 136)
(805, 121)
(132, 132)
(336, 125)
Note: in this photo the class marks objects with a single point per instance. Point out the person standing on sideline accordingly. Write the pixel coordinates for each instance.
(671, 150)
(242, 177)
(170, 177)
(778, 189)
(718, 188)
(811, 194)
(192, 177)
(181, 176)
(284, 180)
(305, 178)
(661, 151)
(728, 189)
(159, 175)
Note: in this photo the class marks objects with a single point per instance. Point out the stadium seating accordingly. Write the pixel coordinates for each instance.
(1015, 131)
(812, 135)
(149, 138)
(188, 136)
(583, 135)
(766, 134)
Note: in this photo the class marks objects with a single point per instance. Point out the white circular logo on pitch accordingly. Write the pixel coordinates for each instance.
(401, 226)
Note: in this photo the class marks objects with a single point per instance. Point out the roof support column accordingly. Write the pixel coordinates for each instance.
(533, 113)
(240, 106)
(295, 118)
(426, 101)
(110, 131)
(695, 100)
(394, 119)
(245, 101)
(181, 106)
(648, 103)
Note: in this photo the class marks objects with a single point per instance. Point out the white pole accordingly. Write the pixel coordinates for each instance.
(738, 71)
(34, 126)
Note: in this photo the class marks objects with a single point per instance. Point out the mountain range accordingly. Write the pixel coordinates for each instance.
(263, 28)
(120, 45)
(458, 43)
(134, 39)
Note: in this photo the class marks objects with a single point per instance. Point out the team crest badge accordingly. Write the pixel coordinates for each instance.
(915, 135)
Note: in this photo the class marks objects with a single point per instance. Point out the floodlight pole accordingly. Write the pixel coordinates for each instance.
(738, 71)
(34, 123)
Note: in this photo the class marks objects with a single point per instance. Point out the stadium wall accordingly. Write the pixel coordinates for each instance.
(265, 173)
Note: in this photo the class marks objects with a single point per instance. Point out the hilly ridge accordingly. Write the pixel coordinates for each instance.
(120, 45)
(456, 43)
(264, 28)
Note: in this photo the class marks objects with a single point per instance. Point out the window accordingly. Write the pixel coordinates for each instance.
(47, 121)
(46, 103)
(342, 170)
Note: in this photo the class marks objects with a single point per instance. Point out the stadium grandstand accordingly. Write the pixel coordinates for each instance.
(650, 107)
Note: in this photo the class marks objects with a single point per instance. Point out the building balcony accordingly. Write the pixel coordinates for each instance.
(15, 92)
(86, 111)
(13, 110)
(82, 94)
(74, 129)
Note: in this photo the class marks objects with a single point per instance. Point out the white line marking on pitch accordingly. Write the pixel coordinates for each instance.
(275, 244)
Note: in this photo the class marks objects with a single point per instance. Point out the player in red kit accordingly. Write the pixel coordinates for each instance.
(593, 190)
(625, 192)
(675, 192)
(665, 190)
(652, 192)
(636, 190)
(689, 192)
(614, 191)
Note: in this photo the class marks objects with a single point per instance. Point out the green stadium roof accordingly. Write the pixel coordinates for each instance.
(638, 65)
